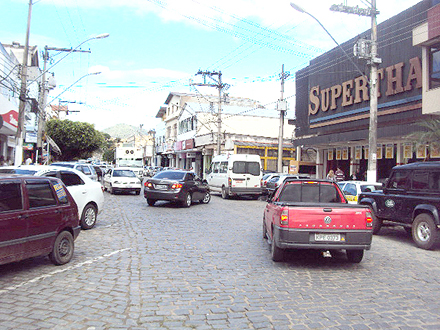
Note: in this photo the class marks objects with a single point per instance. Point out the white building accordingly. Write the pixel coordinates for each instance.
(191, 131)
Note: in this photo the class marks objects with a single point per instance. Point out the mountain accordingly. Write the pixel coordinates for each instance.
(122, 131)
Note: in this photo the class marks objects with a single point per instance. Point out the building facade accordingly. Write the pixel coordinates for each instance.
(191, 131)
(332, 99)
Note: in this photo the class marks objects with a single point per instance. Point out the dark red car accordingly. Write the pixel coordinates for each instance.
(38, 216)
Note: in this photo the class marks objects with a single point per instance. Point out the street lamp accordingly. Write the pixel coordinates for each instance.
(372, 139)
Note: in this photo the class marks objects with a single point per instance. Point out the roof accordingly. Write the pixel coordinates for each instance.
(419, 165)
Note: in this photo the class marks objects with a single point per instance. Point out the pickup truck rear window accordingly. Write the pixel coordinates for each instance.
(309, 193)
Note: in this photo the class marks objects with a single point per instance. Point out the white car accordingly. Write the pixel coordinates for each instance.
(122, 179)
(352, 189)
(87, 193)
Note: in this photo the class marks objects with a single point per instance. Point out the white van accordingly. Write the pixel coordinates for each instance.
(238, 174)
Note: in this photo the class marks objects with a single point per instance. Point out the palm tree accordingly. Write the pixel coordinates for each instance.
(429, 135)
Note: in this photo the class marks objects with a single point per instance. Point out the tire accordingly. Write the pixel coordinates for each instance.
(138, 192)
(88, 217)
(424, 231)
(264, 229)
(110, 190)
(224, 193)
(377, 223)
(150, 201)
(187, 201)
(277, 254)
(62, 251)
(206, 199)
(355, 256)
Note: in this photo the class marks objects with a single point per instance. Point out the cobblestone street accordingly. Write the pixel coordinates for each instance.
(208, 267)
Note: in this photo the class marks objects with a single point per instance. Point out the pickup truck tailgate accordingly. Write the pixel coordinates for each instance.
(335, 217)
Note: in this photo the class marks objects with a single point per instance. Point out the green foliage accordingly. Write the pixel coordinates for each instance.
(430, 133)
(77, 140)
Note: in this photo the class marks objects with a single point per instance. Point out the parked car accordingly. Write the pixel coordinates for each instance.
(234, 175)
(411, 199)
(88, 194)
(265, 179)
(352, 189)
(121, 180)
(179, 186)
(87, 169)
(277, 179)
(314, 214)
(38, 217)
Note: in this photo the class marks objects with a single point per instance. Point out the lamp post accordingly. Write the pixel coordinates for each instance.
(372, 134)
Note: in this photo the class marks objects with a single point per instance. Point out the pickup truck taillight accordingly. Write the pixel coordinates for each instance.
(369, 219)
(284, 218)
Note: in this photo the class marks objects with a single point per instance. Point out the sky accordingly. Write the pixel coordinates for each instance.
(156, 47)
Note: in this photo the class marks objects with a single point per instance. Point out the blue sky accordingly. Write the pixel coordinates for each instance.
(157, 46)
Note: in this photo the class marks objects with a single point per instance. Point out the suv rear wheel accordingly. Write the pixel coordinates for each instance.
(424, 231)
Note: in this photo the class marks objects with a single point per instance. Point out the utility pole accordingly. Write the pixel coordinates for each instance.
(219, 85)
(18, 159)
(374, 61)
(282, 108)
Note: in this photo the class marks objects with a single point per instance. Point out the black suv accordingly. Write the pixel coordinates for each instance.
(411, 198)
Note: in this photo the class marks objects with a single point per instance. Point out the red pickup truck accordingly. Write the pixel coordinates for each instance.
(314, 214)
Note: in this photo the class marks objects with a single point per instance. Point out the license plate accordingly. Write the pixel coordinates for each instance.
(328, 237)
(161, 186)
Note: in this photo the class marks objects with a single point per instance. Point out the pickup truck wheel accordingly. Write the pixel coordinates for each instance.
(377, 223)
(276, 252)
(264, 229)
(424, 231)
(355, 256)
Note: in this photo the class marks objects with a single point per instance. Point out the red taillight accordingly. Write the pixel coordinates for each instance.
(369, 219)
(284, 218)
(229, 182)
(176, 186)
(148, 184)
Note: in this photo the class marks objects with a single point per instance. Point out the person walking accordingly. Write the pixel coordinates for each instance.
(331, 175)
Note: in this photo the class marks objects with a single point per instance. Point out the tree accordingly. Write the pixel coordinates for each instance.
(77, 140)
(108, 149)
(430, 133)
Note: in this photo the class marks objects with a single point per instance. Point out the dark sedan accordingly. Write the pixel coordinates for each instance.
(176, 186)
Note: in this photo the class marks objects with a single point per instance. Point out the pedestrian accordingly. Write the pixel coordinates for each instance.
(340, 176)
(2, 160)
(28, 161)
(331, 175)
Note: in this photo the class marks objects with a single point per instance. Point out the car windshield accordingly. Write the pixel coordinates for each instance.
(370, 187)
(18, 171)
(170, 175)
(124, 173)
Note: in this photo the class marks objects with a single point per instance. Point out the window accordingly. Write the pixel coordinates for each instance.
(241, 167)
(434, 66)
(398, 180)
(420, 180)
(223, 167)
(40, 194)
(85, 169)
(10, 196)
(71, 179)
(310, 193)
(189, 176)
(350, 189)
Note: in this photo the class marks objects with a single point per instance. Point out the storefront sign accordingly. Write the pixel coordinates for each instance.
(421, 151)
(366, 152)
(28, 146)
(345, 153)
(338, 153)
(407, 151)
(434, 151)
(379, 152)
(389, 151)
(358, 152)
(355, 91)
(330, 154)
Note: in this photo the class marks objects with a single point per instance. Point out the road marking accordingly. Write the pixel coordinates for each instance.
(59, 271)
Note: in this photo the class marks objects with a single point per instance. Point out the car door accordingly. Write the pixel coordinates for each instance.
(191, 186)
(44, 216)
(75, 185)
(13, 222)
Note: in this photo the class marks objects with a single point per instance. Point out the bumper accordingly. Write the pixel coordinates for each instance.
(244, 191)
(286, 238)
(164, 195)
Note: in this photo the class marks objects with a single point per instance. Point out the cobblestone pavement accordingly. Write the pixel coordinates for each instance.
(208, 267)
